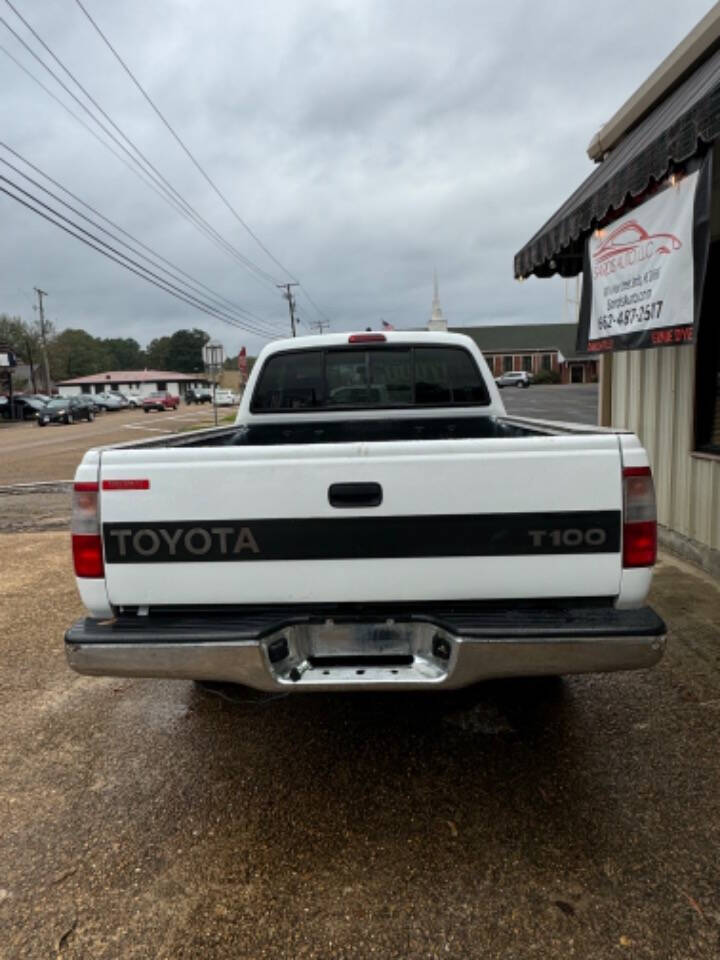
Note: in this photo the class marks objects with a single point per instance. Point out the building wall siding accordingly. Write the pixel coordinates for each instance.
(653, 395)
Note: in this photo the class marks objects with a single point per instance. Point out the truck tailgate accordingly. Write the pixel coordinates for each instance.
(535, 517)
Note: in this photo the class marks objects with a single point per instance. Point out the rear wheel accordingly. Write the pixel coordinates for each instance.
(146, 409)
(41, 423)
(91, 415)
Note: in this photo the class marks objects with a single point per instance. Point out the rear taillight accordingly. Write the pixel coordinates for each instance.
(639, 518)
(85, 528)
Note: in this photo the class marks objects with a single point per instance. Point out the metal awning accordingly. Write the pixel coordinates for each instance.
(670, 134)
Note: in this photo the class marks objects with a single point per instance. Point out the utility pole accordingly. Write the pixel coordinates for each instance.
(291, 302)
(320, 325)
(43, 338)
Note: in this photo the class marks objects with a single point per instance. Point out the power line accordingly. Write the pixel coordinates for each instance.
(123, 260)
(149, 169)
(324, 319)
(182, 145)
(133, 169)
(189, 281)
(137, 171)
(193, 159)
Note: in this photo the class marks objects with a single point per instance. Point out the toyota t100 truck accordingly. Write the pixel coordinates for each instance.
(372, 520)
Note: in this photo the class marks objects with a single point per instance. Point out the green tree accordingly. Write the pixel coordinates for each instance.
(157, 353)
(185, 350)
(125, 353)
(24, 339)
(76, 353)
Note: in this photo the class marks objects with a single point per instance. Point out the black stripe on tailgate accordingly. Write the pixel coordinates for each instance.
(352, 538)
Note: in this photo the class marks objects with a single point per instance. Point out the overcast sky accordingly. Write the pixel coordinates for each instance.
(364, 142)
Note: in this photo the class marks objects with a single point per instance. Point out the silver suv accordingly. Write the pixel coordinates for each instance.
(514, 378)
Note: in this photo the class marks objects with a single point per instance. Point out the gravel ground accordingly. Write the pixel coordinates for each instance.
(44, 508)
(520, 819)
(145, 819)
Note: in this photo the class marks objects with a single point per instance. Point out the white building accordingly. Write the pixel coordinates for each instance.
(142, 382)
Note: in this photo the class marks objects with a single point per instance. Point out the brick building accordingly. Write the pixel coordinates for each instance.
(534, 347)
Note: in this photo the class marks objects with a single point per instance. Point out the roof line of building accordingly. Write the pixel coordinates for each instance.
(696, 46)
(133, 376)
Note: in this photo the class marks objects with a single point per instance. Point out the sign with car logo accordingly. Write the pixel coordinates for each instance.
(642, 270)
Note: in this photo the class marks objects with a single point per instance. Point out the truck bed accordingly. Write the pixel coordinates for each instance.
(371, 430)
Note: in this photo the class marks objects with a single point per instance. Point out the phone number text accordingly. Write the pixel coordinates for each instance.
(626, 318)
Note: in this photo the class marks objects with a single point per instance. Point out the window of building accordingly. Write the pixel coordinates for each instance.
(161, 385)
(507, 364)
(707, 371)
(546, 361)
(527, 363)
(85, 388)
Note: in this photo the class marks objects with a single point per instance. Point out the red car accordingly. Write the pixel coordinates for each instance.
(160, 400)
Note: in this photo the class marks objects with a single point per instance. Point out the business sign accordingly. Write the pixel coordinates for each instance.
(213, 355)
(644, 273)
(7, 358)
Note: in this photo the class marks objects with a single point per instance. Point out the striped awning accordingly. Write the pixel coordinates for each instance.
(675, 130)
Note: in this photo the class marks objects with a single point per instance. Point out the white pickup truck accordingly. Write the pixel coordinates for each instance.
(373, 520)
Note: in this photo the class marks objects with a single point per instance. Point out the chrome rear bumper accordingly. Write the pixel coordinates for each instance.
(329, 654)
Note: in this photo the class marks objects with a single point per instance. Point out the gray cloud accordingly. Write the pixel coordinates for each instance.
(364, 142)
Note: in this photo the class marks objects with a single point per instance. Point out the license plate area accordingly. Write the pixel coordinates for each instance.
(374, 654)
(366, 660)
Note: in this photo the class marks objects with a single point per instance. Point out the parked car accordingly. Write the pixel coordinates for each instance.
(160, 400)
(21, 408)
(109, 401)
(355, 575)
(133, 399)
(226, 398)
(514, 378)
(89, 401)
(198, 395)
(65, 410)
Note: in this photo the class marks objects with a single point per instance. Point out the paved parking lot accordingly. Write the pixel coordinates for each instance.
(525, 819)
(29, 454)
(574, 401)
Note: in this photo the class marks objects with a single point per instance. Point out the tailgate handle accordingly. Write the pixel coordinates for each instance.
(355, 495)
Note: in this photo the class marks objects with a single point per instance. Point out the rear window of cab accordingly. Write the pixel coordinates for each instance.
(363, 378)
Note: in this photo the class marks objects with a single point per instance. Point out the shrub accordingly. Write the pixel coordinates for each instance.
(546, 376)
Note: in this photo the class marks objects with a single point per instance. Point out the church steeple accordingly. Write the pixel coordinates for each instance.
(437, 320)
